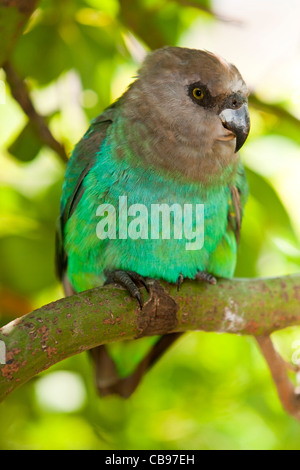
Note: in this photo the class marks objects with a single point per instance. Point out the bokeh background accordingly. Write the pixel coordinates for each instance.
(210, 391)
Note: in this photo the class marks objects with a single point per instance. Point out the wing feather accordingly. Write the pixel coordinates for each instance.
(239, 195)
(81, 162)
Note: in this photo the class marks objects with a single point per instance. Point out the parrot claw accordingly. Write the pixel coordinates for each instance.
(204, 276)
(136, 277)
(179, 281)
(131, 281)
(200, 276)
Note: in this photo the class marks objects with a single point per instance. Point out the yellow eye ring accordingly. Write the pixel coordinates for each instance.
(198, 94)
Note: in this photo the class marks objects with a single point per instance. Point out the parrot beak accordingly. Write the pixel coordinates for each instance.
(238, 122)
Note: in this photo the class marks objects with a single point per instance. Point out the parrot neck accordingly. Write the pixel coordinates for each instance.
(145, 146)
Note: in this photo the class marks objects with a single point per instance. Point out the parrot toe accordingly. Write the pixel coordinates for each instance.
(131, 281)
(179, 281)
(204, 276)
(200, 276)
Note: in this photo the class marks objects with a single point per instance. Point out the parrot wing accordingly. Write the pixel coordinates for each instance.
(223, 259)
(82, 160)
(239, 195)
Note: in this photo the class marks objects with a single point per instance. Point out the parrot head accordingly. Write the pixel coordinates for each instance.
(194, 106)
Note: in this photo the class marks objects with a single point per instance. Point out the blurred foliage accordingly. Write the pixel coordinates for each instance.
(210, 391)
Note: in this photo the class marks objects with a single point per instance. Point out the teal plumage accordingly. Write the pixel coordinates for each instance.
(122, 154)
(147, 187)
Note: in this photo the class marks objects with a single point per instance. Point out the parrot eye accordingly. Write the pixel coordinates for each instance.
(198, 93)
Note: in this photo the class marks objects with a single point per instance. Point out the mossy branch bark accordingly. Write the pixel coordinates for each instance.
(74, 324)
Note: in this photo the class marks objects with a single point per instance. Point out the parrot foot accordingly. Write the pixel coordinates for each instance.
(200, 276)
(131, 281)
(204, 276)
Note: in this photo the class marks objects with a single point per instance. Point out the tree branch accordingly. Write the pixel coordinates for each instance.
(14, 15)
(74, 324)
(275, 109)
(207, 9)
(287, 393)
(20, 92)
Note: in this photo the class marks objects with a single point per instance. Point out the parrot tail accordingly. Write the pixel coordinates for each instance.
(108, 381)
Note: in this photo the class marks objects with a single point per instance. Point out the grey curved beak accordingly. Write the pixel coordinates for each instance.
(238, 122)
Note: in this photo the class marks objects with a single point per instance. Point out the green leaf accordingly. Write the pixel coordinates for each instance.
(27, 145)
(13, 17)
